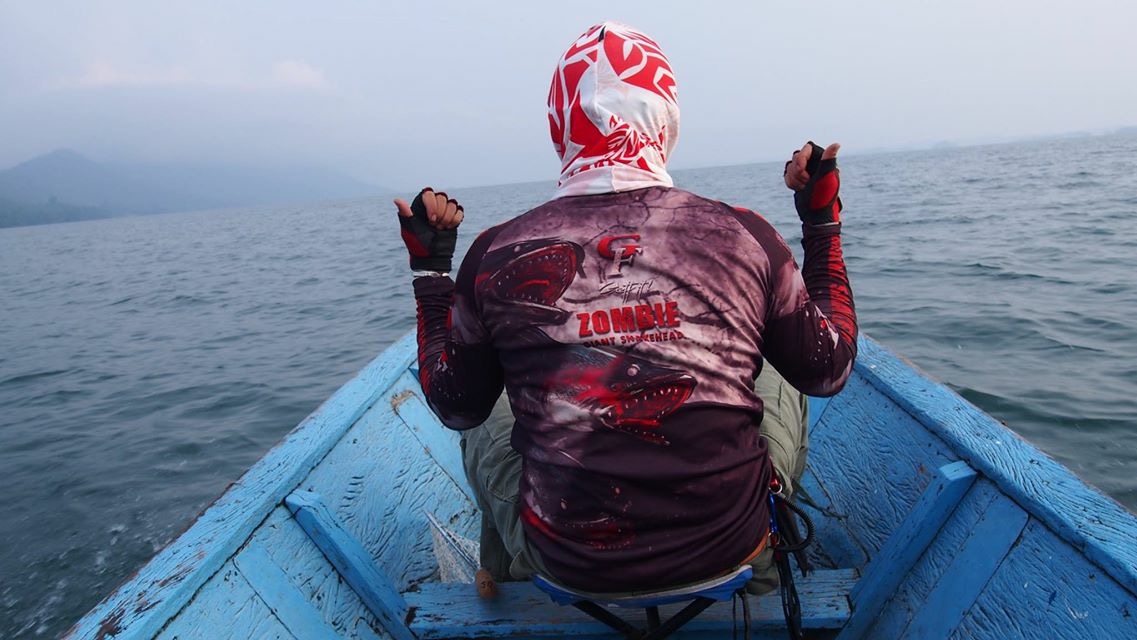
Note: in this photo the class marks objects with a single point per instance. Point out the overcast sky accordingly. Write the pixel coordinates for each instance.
(453, 93)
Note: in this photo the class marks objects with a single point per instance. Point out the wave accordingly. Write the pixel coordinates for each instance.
(33, 377)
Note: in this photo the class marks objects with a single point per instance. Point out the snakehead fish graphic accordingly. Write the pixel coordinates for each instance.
(620, 391)
(529, 278)
(603, 526)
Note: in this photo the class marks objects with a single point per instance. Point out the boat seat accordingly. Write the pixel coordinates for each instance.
(521, 609)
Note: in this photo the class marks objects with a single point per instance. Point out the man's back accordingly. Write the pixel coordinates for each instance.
(629, 328)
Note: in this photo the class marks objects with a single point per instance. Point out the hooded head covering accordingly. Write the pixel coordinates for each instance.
(613, 114)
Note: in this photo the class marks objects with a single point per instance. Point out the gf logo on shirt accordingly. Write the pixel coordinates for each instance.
(620, 250)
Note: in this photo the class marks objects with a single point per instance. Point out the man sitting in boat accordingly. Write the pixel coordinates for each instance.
(629, 323)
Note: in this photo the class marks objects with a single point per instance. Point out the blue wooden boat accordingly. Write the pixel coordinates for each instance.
(933, 521)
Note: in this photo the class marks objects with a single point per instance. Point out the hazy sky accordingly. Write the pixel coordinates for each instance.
(453, 93)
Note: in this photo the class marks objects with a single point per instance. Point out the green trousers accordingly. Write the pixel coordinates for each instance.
(494, 471)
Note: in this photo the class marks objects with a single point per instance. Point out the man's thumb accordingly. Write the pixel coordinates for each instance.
(403, 207)
(831, 151)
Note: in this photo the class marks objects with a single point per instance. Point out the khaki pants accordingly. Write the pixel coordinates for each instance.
(494, 471)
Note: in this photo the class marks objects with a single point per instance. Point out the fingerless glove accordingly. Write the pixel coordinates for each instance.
(430, 248)
(818, 203)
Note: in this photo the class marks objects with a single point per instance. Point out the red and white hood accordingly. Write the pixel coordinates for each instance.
(613, 114)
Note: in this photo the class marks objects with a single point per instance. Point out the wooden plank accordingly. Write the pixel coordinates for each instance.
(521, 610)
(351, 560)
(228, 598)
(380, 483)
(1090, 521)
(880, 460)
(1046, 589)
(834, 546)
(912, 537)
(911, 594)
(139, 608)
(293, 610)
(886, 571)
(970, 569)
(310, 574)
(439, 442)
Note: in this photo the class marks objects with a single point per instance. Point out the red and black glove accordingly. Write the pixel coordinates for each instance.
(430, 248)
(818, 203)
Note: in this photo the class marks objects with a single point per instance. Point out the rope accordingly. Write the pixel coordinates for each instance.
(807, 540)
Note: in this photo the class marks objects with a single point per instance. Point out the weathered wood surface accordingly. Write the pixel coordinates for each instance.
(245, 615)
(380, 482)
(907, 543)
(309, 572)
(521, 610)
(382, 505)
(351, 561)
(874, 461)
(1091, 522)
(1043, 590)
(294, 583)
(834, 546)
(289, 605)
(437, 441)
(971, 565)
(142, 606)
(910, 595)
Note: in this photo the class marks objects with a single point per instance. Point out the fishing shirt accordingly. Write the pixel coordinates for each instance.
(627, 329)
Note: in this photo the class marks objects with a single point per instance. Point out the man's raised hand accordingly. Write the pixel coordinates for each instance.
(813, 176)
(429, 227)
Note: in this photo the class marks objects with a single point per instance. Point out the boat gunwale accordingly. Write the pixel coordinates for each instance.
(997, 452)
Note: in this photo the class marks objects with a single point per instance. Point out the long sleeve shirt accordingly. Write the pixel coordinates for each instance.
(628, 329)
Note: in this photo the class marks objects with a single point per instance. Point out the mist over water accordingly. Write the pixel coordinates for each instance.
(145, 363)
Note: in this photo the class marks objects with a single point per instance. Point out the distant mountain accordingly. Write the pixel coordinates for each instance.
(65, 185)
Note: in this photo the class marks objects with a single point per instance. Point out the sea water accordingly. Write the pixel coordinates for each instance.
(146, 362)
